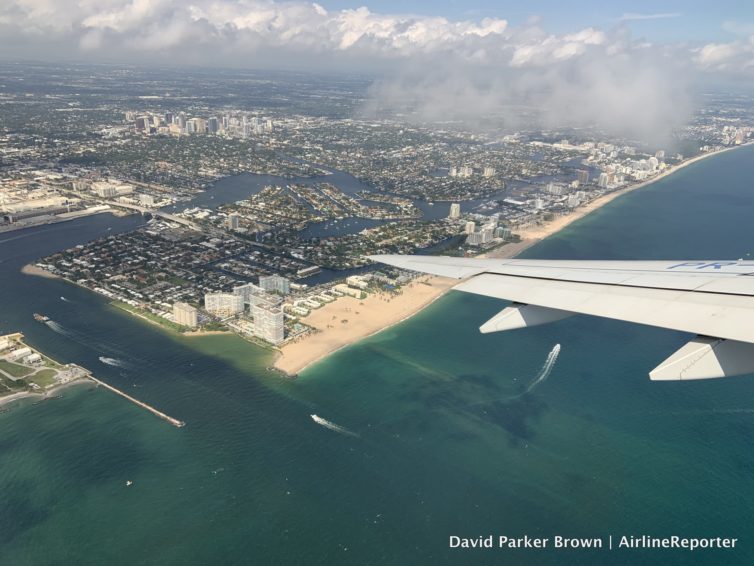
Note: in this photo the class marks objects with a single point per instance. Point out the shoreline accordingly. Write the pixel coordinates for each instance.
(291, 361)
(31, 269)
(373, 314)
(8, 399)
(55, 219)
(329, 338)
(199, 333)
(535, 234)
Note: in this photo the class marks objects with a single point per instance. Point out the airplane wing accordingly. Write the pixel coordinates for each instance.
(713, 300)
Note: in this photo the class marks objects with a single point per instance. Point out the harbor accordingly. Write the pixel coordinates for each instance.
(25, 371)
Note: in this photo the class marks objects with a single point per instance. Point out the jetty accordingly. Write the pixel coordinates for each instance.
(142, 404)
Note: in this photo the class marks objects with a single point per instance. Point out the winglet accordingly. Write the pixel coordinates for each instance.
(704, 358)
(522, 316)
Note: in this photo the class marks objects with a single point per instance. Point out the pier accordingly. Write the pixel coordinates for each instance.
(163, 416)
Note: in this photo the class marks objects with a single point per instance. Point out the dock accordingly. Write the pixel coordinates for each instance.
(142, 404)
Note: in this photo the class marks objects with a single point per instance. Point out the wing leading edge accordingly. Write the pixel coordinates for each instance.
(713, 300)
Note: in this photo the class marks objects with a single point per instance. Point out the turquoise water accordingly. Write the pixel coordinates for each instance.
(445, 439)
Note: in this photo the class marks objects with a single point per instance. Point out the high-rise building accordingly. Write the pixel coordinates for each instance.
(554, 189)
(268, 322)
(470, 227)
(660, 154)
(603, 180)
(252, 294)
(146, 200)
(233, 221)
(213, 125)
(104, 189)
(503, 232)
(109, 189)
(185, 315)
(489, 172)
(223, 304)
(247, 292)
(583, 176)
(196, 126)
(455, 210)
(474, 239)
(275, 284)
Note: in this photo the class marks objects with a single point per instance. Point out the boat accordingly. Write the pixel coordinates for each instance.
(129, 483)
(317, 419)
(40, 317)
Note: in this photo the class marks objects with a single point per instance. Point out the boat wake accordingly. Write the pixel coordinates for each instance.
(90, 341)
(543, 374)
(113, 362)
(332, 426)
(52, 325)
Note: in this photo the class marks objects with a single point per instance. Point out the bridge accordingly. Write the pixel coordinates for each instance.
(158, 214)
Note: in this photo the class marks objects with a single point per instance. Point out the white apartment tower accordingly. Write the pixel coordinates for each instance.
(268, 322)
(185, 315)
(223, 304)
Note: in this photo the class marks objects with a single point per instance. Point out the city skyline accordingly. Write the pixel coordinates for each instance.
(626, 69)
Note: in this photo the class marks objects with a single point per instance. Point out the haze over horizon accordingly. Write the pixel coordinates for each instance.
(624, 69)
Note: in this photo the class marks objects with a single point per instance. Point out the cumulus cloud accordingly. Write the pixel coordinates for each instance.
(589, 78)
(737, 55)
(436, 67)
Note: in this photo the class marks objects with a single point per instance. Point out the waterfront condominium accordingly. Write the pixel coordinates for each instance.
(185, 315)
(268, 322)
(223, 304)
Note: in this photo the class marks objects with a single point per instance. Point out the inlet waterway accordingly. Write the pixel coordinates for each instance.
(446, 439)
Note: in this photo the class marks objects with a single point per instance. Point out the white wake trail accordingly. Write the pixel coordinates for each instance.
(332, 426)
(113, 362)
(58, 328)
(552, 357)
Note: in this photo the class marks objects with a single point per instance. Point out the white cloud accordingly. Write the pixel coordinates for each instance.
(734, 56)
(638, 17)
(454, 68)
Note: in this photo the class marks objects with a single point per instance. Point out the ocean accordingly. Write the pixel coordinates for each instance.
(437, 430)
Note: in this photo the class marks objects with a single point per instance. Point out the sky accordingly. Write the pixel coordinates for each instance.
(622, 65)
(675, 20)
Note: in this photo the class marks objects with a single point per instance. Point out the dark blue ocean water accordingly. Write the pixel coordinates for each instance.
(453, 432)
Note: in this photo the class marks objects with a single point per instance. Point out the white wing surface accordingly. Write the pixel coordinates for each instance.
(713, 300)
